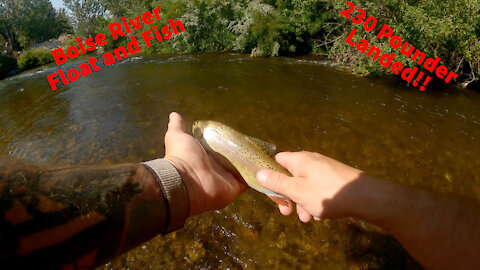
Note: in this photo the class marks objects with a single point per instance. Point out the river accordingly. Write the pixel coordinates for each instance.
(427, 139)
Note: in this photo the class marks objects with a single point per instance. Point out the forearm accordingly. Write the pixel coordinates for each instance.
(80, 215)
(440, 231)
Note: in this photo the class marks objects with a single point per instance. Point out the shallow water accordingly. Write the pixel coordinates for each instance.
(429, 140)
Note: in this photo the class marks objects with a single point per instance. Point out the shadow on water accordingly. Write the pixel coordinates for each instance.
(120, 114)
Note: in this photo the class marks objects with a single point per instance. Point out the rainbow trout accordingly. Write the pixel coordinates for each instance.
(238, 152)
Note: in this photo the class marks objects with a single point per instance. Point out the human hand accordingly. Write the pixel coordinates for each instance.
(315, 180)
(209, 185)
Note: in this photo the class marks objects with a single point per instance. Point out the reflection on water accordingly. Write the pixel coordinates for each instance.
(120, 114)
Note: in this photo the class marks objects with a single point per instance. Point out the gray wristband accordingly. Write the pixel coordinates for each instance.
(174, 190)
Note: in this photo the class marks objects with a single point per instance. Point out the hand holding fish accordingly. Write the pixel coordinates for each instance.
(425, 223)
(316, 180)
(209, 185)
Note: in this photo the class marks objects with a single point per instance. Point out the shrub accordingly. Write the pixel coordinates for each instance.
(34, 58)
(448, 29)
(7, 65)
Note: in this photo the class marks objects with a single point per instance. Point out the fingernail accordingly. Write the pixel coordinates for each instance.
(262, 177)
(285, 202)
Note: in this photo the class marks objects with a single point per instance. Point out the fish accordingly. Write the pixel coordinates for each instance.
(239, 153)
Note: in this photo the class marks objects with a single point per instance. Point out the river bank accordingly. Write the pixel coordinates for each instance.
(438, 84)
(449, 30)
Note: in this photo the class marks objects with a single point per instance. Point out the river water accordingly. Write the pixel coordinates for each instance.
(429, 140)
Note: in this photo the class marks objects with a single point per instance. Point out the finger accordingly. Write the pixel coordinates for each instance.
(291, 161)
(279, 183)
(280, 200)
(286, 210)
(234, 179)
(176, 122)
(303, 215)
(317, 218)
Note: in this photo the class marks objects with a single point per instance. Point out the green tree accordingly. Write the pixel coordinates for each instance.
(128, 7)
(25, 22)
(9, 16)
(63, 24)
(87, 15)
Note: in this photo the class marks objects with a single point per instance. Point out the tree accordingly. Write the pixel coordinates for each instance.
(63, 24)
(8, 16)
(25, 22)
(86, 15)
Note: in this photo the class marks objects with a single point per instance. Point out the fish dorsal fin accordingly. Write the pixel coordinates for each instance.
(268, 148)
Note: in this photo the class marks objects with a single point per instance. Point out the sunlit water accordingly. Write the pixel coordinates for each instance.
(430, 140)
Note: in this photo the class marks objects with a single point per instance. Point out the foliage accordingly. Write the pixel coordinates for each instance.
(62, 25)
(25, 22)
(448, 29)
(7, 65)
(258, 30)
(210, 19)
(34, 58)
(87, 15)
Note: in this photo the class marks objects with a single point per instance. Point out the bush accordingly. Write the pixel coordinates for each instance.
(34, 58)
(7, 65)
(448, 29)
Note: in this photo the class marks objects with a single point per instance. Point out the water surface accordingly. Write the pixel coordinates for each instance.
(429, 140)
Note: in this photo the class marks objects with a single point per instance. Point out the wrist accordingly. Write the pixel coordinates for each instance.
(190, 179)
(374, 200)
(342, 188)
(174, 191)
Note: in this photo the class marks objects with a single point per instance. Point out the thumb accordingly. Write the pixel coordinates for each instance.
(176, 127)
(279, 183)
(176, 122)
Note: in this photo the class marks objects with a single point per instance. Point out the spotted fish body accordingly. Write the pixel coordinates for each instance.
(238, 152)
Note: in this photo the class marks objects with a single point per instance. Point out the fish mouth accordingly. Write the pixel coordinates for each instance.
(197, 130)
